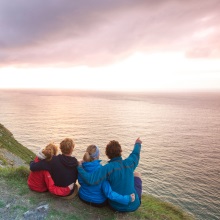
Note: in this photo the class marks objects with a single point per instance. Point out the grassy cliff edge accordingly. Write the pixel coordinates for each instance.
(16, 198)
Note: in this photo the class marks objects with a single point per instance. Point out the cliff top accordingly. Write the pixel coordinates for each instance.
(17, 201)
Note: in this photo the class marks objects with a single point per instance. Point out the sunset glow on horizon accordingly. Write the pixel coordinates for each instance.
(125, 51)
(137, 73)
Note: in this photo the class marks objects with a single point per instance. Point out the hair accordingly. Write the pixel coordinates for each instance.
(49, 151)
(113, 149)
(89, 151)
(67, 146)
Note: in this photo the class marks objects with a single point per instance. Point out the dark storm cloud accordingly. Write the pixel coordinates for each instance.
(96, 32)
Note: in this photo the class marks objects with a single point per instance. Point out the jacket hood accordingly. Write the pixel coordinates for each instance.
(68, 161)
(91, 166)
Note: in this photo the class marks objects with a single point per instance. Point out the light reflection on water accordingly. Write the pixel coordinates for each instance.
(180, 153)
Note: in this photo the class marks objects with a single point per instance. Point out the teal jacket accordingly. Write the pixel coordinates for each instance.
(99, 193)
(120, 174)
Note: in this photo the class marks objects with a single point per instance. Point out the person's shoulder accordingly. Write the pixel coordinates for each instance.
(36, 159)
(74, 158)
(56, 157)
(108, 165)
(75, 161)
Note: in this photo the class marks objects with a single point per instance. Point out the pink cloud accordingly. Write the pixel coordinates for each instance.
(73, 33)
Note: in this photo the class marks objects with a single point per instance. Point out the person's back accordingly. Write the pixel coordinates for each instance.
(122, 182)
(97, 195)
(122, 179)
(41, 181)
(88, 193)
(36, 180)
(120, 174)
(63, 168)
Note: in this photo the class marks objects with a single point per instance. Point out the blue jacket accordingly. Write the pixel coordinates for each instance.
(99, 193)
(120, 175)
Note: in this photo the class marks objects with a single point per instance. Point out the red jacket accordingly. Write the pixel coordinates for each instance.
(41, 181)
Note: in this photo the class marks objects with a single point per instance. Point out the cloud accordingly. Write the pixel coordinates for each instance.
(96, 32)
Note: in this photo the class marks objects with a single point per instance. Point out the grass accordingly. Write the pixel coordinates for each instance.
(8, 142)
(3, 160)
(14, 191)
(2, 204)
(54, 214)
(151, 207)
(16, 178)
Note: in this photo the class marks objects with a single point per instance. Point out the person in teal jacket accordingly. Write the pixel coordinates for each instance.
(119, 173)
(97, 195)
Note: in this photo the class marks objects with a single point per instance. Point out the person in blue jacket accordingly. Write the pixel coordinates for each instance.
(119, 173)
(97, 195)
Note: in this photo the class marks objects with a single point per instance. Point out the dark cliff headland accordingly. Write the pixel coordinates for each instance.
(18, 202)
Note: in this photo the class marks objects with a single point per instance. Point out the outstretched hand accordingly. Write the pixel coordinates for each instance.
(80, 162)
(132, 197)
(71, 186)
(138, 141)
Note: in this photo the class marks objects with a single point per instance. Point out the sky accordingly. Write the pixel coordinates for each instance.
(114, 45)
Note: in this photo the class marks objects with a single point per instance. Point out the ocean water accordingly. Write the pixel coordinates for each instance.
(180, 158)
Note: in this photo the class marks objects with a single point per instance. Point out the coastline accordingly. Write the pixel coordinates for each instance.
(14, 172)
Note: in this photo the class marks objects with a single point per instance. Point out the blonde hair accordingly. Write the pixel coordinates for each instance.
(89, 151)
(49, 151)
(67, 146)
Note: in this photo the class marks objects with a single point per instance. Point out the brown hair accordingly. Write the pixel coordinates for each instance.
(90, 150)
(49, 151)
(67, 146)
(113, 149)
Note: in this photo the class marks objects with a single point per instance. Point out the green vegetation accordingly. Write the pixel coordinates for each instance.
(3, 160)
(8, 142)
(151, 208)
(16, 194)
(2, 204)
(16, 178)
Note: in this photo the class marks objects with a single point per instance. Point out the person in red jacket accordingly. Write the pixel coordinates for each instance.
(41, 181)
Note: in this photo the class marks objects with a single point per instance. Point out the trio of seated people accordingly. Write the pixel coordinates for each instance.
(115, 183)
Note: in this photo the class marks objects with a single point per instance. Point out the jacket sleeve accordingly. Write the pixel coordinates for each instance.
(107, 190)
(134, 157)
(60, 191)
(80, 180)
(96, 177)
(41, 165)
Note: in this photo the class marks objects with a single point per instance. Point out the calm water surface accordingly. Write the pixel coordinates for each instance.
(180, 158)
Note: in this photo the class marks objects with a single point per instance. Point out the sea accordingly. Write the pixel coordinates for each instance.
(180, 133)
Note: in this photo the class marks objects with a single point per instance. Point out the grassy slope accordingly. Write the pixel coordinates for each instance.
(14, 179)
(8, 142)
